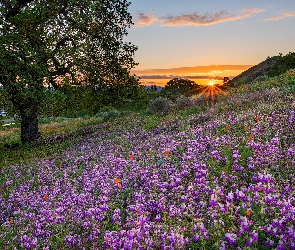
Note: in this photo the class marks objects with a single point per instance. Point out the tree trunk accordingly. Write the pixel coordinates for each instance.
(29, 125)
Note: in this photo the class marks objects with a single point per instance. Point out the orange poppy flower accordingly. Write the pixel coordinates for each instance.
(248, 213)
(245, 117)
(245, 127)
(60, 164)
(257, 118)
(167, 153)
(131, 157)
(117, 180)
(46, 197)
(227, 128)
(11, 221)
(250, 137)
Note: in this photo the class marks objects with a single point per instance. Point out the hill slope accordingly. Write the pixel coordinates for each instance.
(252, 73)
(220, 177)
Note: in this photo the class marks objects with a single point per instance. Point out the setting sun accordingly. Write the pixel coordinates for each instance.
(212, 90)
(211, 83)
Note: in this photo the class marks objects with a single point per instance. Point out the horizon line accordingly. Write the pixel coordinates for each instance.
(205, 77)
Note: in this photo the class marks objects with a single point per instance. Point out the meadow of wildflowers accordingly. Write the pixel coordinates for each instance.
(226, 181)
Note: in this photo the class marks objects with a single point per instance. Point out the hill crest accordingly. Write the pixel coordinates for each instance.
(254, 72)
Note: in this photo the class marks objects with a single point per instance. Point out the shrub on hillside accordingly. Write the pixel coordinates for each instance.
(283, 64)
(109, 114)
(72, 99)
(159, 106)
(106, 109)
(290, 88)
(112, 113)
(183, 102)
(199, 100)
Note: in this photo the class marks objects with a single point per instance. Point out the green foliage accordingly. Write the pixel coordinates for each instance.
(4, 101)
(177, 87)
(13, 152)
(291, 85)
(109, 112)
(50, 120)
(283, 64)
(106, 108)
(183, 102)
(122, 90)
(140, 103)
(152, 121)
(112, 113)
(77, 114)
(190, 111)
(254, 73)
(159, 106)
(76, 51)
(66, 100)
(53, 104)
(283, 82)
(75, 100)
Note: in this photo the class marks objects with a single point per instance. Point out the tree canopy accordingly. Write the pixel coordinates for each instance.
(45, 41)
(179, 86)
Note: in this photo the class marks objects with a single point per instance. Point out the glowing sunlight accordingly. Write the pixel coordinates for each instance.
(212, 90)
(211, 83)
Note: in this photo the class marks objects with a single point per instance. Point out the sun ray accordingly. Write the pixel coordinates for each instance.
(212, 90)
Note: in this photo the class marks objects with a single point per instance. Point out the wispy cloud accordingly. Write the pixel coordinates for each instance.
(284, 15)
(145, 19)
(194, 19)
(208, 19)
(192, 71)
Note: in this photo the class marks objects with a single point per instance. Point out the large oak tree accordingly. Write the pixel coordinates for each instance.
(44, 39)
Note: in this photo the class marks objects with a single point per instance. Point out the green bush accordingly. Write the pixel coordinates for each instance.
(109, 114)
(73, 100)
(106, 109)
(82, 113)
(112, 113)
(183, 102)
(290, 88)
(122, 90)
(283, 64)
(54, 104)
(159, 106)
(139, 104)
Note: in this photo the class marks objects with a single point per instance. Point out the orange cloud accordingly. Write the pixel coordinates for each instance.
(193, 71)
(194, 19)
(284, 15)
(145, 19)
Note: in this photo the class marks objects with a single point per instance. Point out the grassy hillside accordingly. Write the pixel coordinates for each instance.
(271, 67)
(283, 64)
(254, 72)
(212, 176)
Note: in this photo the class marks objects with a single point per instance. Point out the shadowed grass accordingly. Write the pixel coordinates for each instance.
(56, 134)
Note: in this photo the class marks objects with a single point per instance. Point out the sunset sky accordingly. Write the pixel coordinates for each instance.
(199, 39)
